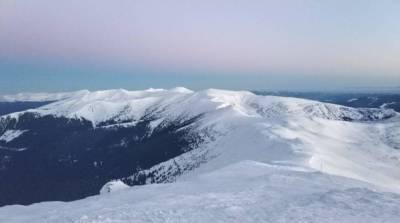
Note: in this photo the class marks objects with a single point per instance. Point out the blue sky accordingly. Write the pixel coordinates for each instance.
(65, 45)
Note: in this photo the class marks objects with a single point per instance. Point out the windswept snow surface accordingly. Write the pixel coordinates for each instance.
(247, 191)
(356, 153)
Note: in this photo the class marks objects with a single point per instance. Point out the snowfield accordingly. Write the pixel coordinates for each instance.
(260, 159)
(247, 191)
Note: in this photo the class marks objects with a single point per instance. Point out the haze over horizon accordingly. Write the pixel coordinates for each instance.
(259, 45)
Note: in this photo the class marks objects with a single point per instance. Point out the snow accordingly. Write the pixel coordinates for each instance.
(113, 186)
(385, 105)
(10, 135)
(121, 105)
(154, 124)
(352, 99)
(181, 90)
(260, 159)
(247, 191)
(100, 106)
(40, 97)
(237, 125)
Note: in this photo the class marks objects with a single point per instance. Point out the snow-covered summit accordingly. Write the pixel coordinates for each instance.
(57, 96)
(120, 104)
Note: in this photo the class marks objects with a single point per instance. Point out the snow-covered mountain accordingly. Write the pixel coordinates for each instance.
(201, 140)
(40, 97)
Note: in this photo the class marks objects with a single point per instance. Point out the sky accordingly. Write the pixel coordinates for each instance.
(63, 45)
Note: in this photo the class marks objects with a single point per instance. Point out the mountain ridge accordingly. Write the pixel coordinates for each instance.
(202, 131)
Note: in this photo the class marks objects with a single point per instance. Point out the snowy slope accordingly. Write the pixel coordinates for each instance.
(237, 125)
(286, 139)
(247, 191)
